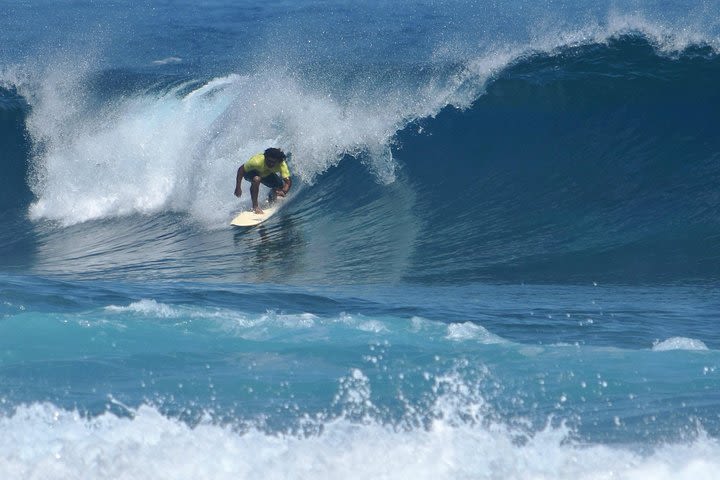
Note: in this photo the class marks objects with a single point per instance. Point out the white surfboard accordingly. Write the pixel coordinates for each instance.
(250, 218)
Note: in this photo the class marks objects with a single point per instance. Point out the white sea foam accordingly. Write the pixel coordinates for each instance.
(167, 61)
(245, 325)
(679, 343)
(472, 331)
(43, 441)
(164, 151)
(147, 307)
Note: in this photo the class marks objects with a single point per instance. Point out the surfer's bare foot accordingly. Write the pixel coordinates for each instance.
(258, 210)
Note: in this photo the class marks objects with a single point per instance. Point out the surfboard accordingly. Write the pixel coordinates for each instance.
(249, 218)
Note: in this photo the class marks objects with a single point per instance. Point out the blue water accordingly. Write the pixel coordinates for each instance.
(501, 258)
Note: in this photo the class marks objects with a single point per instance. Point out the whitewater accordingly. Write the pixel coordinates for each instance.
(499, 259)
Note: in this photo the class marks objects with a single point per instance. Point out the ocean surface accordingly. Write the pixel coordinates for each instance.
(500, 258)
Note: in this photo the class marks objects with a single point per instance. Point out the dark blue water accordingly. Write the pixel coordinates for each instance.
(500, 258)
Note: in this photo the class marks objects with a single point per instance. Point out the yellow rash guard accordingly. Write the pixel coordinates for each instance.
(257, 163)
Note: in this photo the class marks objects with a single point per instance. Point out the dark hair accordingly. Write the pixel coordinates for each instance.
(275, 153)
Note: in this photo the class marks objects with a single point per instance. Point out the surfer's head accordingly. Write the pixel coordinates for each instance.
(274, 155)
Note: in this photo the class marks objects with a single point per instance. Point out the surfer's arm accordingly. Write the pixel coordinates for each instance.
(287, 183)
(238, 180)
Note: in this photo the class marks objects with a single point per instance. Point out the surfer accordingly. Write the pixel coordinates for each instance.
(268, 168)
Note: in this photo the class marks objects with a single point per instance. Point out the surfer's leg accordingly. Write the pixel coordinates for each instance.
(254, 190)
(272, 181)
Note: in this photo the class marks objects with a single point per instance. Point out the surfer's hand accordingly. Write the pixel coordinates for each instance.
(238, 192)
(279, 192)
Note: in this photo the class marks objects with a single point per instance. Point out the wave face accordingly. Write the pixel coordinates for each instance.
(598, 162)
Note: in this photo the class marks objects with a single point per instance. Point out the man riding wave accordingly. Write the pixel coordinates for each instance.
(270, 169)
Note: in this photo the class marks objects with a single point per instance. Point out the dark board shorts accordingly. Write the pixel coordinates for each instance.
(271, 181)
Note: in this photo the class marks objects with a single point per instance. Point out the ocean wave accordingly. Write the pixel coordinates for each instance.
(154, 139)
(579, 165)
